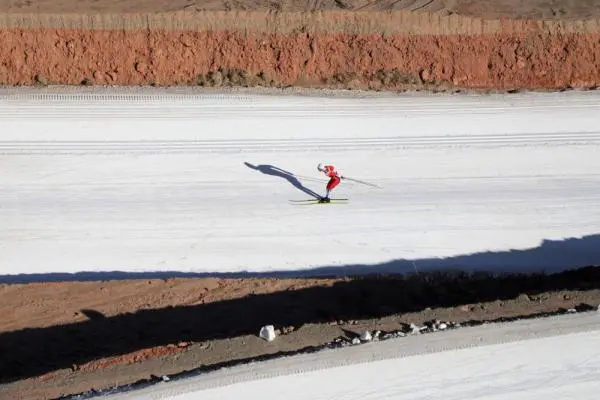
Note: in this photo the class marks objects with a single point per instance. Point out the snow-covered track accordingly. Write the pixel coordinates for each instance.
(173, 180)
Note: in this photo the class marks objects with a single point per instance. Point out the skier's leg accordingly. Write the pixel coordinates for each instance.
(333, 182)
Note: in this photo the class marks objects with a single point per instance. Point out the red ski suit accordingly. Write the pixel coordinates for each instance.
(330, 171)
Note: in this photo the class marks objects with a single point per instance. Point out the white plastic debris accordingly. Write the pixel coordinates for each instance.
(366, 336)
(356, 341)
(267, 332)
(165, 378)
(442, 326)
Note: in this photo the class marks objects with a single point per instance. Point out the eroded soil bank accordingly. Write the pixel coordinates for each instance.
(369, 61)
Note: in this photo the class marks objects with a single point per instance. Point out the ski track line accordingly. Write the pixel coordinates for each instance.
(83, 147)
(168, 111)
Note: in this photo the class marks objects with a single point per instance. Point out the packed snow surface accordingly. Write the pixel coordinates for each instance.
(157, 181)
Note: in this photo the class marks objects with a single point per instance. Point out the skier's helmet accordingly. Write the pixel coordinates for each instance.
(320, 167)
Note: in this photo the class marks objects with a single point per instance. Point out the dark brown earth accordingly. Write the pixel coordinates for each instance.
(71, 337)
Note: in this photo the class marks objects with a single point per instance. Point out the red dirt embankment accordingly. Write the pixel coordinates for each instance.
(336, 50)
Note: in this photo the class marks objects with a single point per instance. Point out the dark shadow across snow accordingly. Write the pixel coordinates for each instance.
(281, 173)
(550, 257)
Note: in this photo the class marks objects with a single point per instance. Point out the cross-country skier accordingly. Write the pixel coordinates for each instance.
(334, 180)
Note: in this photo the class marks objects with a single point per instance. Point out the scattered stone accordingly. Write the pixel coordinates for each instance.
(141, 67)
(204, 345)
(165, 378)
(112, 75)
(182, 345)
(376, 334)
(583, 307)
(215, 78)
(415, 330)
(393, 335)
(366, 336)
(442, 326)
(524, 297)
(42, 80)
(267, 333)
(339, 342)
(287, 329)
(465, 308)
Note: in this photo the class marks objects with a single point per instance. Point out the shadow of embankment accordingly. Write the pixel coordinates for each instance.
(32, 352)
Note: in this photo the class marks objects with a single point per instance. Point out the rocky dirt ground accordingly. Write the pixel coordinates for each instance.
(64, 338)
(536, 9)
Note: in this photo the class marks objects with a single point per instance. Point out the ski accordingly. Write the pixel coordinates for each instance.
(317, 201)
(311, 200)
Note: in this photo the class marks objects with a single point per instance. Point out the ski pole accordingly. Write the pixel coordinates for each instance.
(363, 182)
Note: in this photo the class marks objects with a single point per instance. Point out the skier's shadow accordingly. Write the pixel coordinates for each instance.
(275, 171)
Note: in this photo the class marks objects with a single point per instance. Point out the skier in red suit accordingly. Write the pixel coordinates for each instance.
(334, 179)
